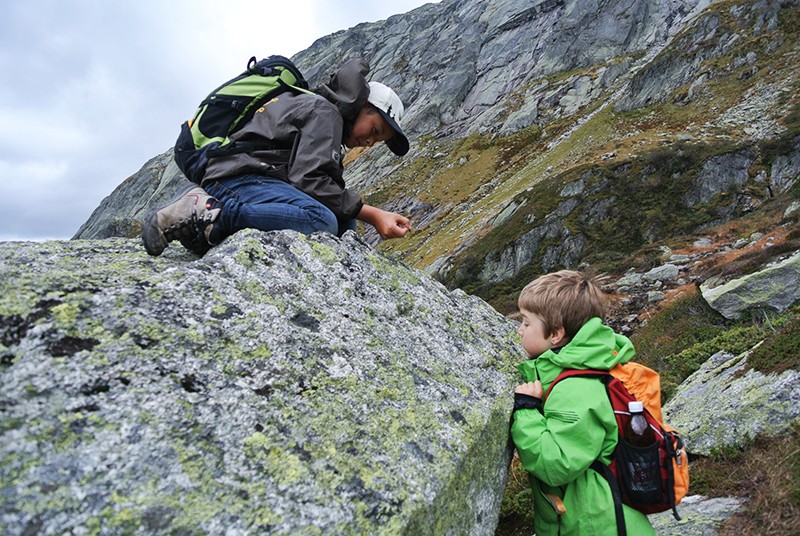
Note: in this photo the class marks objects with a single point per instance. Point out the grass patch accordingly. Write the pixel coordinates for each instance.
(780, 351)
(682, 336)
(766, 473)
(516, 510)
(686, 322)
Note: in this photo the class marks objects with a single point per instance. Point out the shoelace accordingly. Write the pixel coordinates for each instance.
(192, 227)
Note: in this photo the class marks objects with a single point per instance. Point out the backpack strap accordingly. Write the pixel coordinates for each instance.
(671, 453)
(571, 373)
(605, 470)
(597, 465)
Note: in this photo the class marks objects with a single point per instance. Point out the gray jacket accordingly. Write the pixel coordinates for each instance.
(300, 140)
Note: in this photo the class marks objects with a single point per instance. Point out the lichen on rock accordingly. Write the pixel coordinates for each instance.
(726, 404)
(282, 384)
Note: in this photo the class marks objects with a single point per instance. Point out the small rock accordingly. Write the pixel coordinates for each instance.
(699, 515)
(791, 209)
(667, 272)
(629, 280)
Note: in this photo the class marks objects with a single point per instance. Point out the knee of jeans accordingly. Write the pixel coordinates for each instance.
(347, 225)
(325, 220)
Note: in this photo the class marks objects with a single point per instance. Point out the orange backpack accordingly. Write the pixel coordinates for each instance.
(650, 479)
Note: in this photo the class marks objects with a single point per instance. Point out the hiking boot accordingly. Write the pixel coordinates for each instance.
(198, 244)
(188, 217)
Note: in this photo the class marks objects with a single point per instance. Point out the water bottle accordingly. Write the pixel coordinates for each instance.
(638, 433)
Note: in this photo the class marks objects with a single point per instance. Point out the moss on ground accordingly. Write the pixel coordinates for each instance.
(767, 472)
(781, 349)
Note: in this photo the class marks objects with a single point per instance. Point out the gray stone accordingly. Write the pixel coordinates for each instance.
(630, 280)
(518, 254)
(718, 175)
(700, 516)
(791, 209)
(679, 259)
(573, 188)
(282, 384)
(776, 287)
(667, 272)
(726, 403)
(786, 170)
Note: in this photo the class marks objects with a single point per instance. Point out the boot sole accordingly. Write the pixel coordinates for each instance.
(152, 237)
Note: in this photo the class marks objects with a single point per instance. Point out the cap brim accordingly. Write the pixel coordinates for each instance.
(398, 143)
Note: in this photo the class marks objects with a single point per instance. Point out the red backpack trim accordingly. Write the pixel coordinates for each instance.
(657, 494)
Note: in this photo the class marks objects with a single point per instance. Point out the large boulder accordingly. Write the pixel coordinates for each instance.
(726, 403)
(282, 384)
(776, 287)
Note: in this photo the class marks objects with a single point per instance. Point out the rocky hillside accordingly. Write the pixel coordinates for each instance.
(657, 143)
(285, 384)
(561, 133)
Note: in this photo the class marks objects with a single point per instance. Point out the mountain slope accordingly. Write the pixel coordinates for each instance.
(698, 134)
(612, 136)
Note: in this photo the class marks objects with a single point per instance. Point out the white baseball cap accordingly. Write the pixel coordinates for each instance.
(391, 107)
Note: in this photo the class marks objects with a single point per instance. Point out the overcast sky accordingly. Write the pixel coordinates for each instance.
(92, 89)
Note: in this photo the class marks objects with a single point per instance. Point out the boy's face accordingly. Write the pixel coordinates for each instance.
(534, 338)
(369, 128)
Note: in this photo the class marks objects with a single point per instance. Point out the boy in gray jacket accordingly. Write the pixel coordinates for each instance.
(296, 183)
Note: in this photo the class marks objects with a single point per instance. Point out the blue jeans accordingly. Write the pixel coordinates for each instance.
(267, 204)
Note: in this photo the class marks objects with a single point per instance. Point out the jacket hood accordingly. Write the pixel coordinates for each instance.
(595, 346)
(348, 89)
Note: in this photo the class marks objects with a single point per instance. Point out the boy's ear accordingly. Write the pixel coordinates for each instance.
(558, 336)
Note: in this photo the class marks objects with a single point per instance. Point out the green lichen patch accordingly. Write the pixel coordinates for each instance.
(281, 384)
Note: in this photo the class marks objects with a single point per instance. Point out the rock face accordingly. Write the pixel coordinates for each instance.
(776, 287)
(728, 404)
(475, 66)
(121, 213)
(282, 384)
(456, 63)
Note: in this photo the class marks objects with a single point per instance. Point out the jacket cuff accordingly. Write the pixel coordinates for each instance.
(522, 401)
(357, 209)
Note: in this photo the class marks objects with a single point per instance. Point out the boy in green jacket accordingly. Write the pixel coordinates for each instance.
(558, 440)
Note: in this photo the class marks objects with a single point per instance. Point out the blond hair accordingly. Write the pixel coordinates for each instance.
(565, 299)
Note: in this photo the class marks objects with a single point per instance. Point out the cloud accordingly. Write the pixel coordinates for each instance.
(92, 90)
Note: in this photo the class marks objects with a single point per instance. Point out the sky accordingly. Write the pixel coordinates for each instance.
(90, 90)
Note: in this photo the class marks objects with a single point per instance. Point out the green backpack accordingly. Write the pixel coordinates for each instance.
(230, 107)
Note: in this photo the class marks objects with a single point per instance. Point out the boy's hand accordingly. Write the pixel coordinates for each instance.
(392, 225)
(388, 224)
(533, 389)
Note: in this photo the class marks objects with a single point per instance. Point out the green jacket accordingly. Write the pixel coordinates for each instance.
(577, 426)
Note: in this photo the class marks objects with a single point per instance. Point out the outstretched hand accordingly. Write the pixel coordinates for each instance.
(388, 224)
(393, 225)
